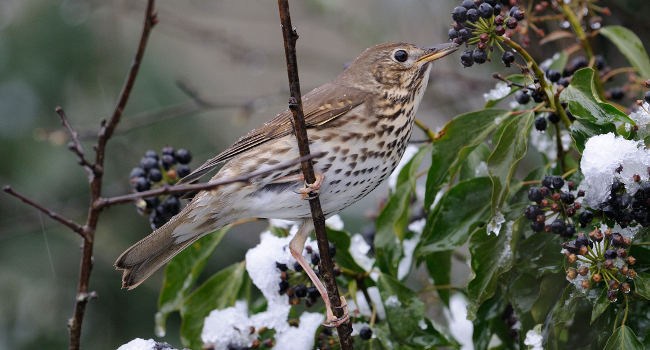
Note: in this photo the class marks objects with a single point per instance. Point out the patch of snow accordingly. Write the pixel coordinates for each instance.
(139, 344)
(408, 247)
(494, 225)
(602, 155)
(459, 326)
(408, 154)
(499, 91)
(392, 301)
(534, 338)
(359, 249)
(335, 222)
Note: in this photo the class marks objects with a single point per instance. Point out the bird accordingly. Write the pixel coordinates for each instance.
(361, 122)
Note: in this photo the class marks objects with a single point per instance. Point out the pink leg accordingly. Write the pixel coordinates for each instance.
(296, 246)
(309, 188)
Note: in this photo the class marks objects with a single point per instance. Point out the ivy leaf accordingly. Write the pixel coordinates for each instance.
(439, 267)
(476, 163)
(455, 141)
(393, 220)
(405, 314)
(510, 148)
(642, 284)
(582, 129)
(630, 46)
(218, 292)
(181, 273)
(585, 103)
(448, 226)
(341, 240)
(540, 253)
(623, 338)
(602, 303)
(558, 63)
(491, 257)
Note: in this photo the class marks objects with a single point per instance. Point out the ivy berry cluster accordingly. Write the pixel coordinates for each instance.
(554, 209)
(296, 284)
(156, 171)
(601, 258)
(628, 209)
(483, 24)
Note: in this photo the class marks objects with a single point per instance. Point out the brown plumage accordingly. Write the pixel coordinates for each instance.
(362, 121)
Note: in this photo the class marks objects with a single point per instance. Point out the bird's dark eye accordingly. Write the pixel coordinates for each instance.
(401, 55)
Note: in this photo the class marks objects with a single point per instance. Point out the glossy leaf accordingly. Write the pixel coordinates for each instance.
(405, 314)
(391, 225)
(510, 148)
(582, 129)
(630, 46)
(491, 257)
(476, 163)
(600, 306)
(344, 259)
(585, 103)
(181, 273)
(448, 227)
(439, 267)
(623, 338)
(539, 253)
(455, 142)
(642, 284)
(218, 292)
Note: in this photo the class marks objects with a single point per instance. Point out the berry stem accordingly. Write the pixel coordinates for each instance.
(627, 308)
(560, 149)
(430, 134)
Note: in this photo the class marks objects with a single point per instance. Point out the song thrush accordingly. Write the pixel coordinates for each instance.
(362, 121)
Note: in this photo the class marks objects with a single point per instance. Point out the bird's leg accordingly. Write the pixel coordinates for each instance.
(309, 188)
(296, 246)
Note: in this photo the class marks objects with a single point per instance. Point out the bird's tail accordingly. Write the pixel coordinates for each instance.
(150, 253)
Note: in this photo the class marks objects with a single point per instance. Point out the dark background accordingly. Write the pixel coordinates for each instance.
(75, 54)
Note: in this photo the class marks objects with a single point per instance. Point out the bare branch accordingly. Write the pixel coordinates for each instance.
(75, 145)
(295, 105)
(49, 212)
(106, 202)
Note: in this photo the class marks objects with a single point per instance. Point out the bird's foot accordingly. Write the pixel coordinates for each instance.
(310, 191)
(333, 321)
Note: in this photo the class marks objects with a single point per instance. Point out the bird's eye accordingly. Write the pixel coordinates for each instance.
(401, 55)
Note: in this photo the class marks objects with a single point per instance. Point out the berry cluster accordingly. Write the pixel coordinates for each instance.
(293, 281)
(554, 209)
(601, 257)
(484, 23)
(156, 171)
(541, 120)
(626, 209)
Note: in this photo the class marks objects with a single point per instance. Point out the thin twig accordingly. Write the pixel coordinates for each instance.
(326, 265)
(49, 212)
(75, 145)
(430, 134)
(106, 202)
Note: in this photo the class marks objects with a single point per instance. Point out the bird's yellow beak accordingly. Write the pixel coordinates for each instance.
(438, 51)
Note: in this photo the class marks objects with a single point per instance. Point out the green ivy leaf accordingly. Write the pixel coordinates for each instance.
(602, 303)
(448, 226)
(405, 313)
(344, 259)
(510, 148)
(630, 46)
(585, 103)
(456, 141)
(550, 289)
(491, 257)
(582, 129)
(181, 273)
(540, 253)
(439, 267)
(642, 284)
(218, 292)
(623, 338)
(393, 220)
(560, 62)
(476, 163)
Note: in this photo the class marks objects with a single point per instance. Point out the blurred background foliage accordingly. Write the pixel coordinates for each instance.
(212, 71)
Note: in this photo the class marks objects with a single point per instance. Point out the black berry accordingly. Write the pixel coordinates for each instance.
(183, 170)
(312, 292)
(168, 150)
(141, 184)
(366, 333)
(567, 197)
(453, 34)
(472, 15)
(600, 62)
(167, 161)
(557, 182)
(540, 123)
(508, 58)
(137, 172)
(468, 4)
(564, 82)
(558, 227)
(183, 156)
(297, 267)
(616, 93)
(315, 259)
(532, 211)
(147, 163)
(610, 254)
(538, 95)
(151, 154)
(569, 232)
(300, 291)
(332, 249)
(497, 9)
(553, 75)
(485, 10)
(537, 226)
(553, 118)
(512, 23)
(522, 97)
(283, 286)
(281, 267)
(479, 56)
(459, 14)
(155, 175)
(535, 194)
(647, 96)
(466, 58)
(547, 181)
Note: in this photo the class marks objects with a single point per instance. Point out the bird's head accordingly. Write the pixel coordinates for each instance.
(394, 66)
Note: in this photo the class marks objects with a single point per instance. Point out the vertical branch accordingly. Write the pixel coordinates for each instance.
(95, 179)
(295, 104)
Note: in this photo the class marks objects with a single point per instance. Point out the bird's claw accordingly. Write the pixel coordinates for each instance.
(309, 189)
(333, 321)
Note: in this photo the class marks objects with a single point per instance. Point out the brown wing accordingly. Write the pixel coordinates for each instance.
(320, 106)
